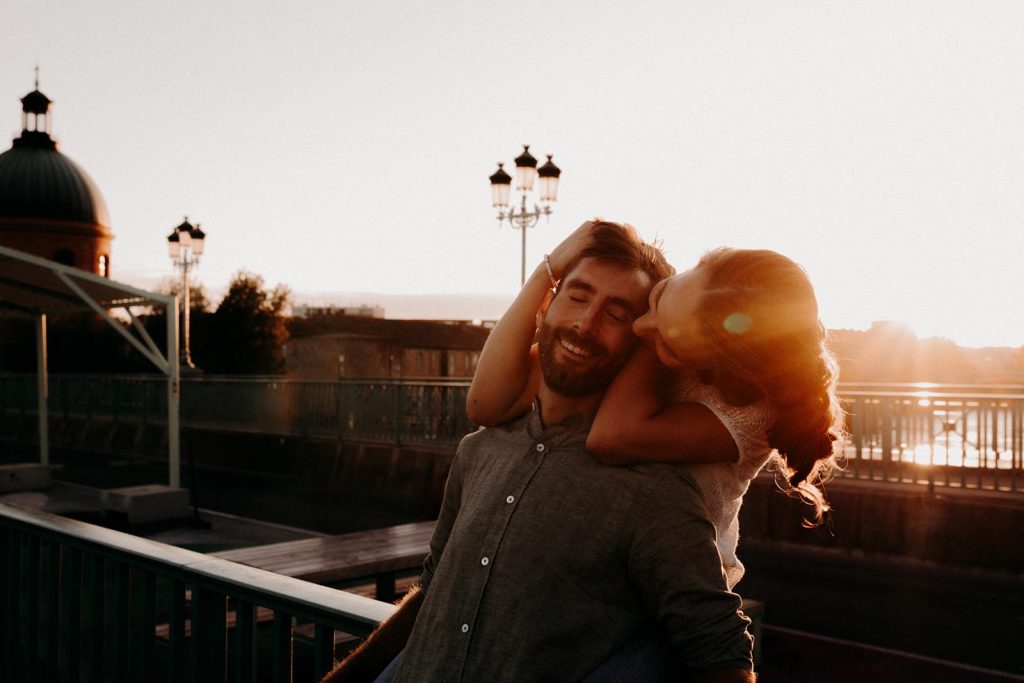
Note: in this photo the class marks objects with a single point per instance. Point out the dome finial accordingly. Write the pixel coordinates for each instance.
(37, 77)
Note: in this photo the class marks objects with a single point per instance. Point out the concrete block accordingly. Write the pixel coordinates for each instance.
(25, 476)
(147, 503)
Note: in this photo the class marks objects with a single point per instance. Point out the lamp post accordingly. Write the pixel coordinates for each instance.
(523, 217)
(185, 246)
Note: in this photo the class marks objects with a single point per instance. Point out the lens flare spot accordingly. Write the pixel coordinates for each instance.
(737, 323)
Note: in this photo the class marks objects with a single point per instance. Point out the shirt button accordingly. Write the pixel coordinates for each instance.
(540, 448)
(465, 628)
(510, 500)
(484, 561)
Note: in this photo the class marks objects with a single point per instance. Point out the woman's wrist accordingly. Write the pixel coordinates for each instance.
(552, 278)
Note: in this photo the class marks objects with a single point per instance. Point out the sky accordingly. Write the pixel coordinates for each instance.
(343, 148)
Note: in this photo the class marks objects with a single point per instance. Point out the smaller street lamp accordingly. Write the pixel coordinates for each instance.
(185, 246)
(526, 173)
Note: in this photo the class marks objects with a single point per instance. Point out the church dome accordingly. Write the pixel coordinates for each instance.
(49, 206)
(37, 181)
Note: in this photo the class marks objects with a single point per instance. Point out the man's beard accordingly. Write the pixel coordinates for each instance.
(572, 382)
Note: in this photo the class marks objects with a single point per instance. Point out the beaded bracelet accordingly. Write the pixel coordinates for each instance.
(551, 273)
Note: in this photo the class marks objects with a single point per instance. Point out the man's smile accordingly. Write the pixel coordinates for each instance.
(572, 348)
(576, 348)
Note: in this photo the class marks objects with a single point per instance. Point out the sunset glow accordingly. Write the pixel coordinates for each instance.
(345, 147)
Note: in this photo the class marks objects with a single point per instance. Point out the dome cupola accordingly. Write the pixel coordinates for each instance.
(49, 206)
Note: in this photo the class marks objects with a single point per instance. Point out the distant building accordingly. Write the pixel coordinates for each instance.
(308, 311)
(49, 206)
(342, 346)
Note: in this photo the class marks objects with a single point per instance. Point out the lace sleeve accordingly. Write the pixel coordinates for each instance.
(748, 424)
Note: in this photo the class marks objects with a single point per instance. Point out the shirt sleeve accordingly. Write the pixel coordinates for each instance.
(445, 520)
(675, 564)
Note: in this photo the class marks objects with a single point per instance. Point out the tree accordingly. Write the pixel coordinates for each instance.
(246, 334)
(199, 302)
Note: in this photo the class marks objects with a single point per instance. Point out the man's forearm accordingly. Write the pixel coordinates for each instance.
(383, 645)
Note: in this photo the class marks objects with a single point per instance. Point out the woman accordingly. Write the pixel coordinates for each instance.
(734, 373)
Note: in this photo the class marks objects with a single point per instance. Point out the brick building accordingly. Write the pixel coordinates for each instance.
(330, 347)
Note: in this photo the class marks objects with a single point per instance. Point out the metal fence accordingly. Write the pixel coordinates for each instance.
(937, 435)
(955, 436)
(80, 602)
(394, 410)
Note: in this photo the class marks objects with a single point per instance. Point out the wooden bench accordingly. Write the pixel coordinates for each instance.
(377, 554)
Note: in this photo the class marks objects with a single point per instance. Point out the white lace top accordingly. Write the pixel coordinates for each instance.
(724, 484)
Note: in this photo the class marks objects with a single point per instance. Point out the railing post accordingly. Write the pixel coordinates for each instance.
(143, 639)
(994, 407)
(122, 621)
(245, 642)
(178, 669)
(323, 651)
(49, 607)
(398, 412)
(282, 648)
(209, 617)
(70, 614)
(10, 578)
(95, 587)
(31, 614)
(886, 427)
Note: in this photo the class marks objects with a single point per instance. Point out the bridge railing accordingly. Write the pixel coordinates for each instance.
(80, 602)
(395, 410)
(968, 437)
(941, 435)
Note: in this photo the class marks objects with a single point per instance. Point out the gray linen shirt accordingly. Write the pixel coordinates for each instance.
(545, 562)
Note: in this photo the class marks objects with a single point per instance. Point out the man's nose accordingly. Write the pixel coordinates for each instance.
(587, 319)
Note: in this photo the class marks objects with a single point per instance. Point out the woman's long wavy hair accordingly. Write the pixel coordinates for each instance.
(761, 315)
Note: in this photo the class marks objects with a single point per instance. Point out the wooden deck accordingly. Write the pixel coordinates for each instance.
(378, 555)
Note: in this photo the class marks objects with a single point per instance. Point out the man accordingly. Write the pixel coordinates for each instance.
(544, 562)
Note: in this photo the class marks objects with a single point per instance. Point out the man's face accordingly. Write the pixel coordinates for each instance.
(587, 332)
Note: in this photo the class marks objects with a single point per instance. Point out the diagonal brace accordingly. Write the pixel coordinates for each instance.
(156, 358)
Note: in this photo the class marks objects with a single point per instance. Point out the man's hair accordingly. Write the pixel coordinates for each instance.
(619, 243)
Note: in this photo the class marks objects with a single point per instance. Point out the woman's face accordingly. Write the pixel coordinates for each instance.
(671, 325)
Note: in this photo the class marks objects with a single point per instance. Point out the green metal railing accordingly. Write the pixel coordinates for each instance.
(938, 435)
(83, 603)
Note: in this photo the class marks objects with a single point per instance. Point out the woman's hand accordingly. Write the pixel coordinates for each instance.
(569, 248)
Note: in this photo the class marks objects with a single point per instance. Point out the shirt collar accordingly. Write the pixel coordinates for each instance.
(570, 431)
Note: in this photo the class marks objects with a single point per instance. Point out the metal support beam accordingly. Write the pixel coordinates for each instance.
(43, 390)
(155, 359)
(173, 397)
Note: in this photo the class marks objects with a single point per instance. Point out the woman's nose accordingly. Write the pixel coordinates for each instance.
(644, 324)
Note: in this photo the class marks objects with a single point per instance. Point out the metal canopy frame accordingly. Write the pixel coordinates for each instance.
(36, 287)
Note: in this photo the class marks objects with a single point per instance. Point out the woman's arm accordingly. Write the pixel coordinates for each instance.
(640, 421)
(508, 371)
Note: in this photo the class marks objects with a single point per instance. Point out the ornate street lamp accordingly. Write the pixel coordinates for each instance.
(523, 218)
(185, 246)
